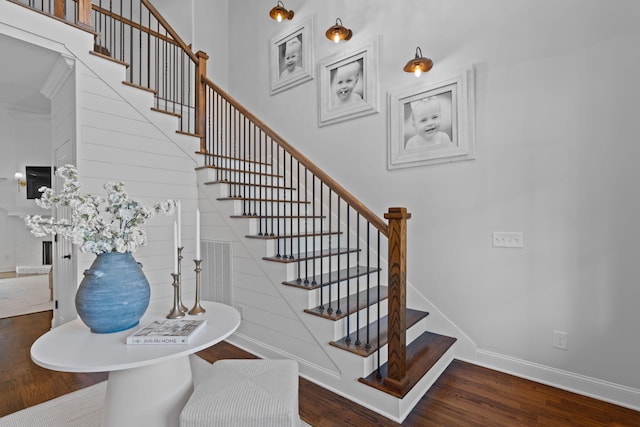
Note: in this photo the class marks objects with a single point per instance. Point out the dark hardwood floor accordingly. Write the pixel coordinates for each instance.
(465, 395)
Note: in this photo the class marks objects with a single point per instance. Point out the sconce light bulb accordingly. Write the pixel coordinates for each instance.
(279, 17)
(336, 37)
(417, 72)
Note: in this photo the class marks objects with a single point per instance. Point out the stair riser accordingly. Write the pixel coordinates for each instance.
(285, 225)
(340, 326)
(314, 267)
(286, 246)
(343, 288)
(220, 163)
(371, 362)
(257, 192)
(266, 208)
(247, 177)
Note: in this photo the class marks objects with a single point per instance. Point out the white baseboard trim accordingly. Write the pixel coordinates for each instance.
(32, 269)
(617, 394)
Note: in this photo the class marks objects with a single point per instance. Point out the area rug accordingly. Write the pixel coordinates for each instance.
(24, 295)
(81, 408)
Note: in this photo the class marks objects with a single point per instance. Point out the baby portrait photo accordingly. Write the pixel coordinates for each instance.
(291, 57)
(432, 122)
(427, 122)
(348, 84)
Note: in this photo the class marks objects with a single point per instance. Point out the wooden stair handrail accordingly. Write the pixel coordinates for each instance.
(84, 17)
(170, 30)
(135, 25)
(374, 219)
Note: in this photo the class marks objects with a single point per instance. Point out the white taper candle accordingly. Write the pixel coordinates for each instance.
(198, 234)
(174, 251)
(179, 224)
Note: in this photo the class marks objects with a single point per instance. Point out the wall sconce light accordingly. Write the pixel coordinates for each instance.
(338, 32)
(21, 182)
(279, 12)
(418, 65)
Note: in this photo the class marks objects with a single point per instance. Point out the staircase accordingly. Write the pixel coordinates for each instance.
(337, 265)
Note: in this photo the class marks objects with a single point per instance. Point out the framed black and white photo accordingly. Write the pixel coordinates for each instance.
(292, 57)
(432, 123)
(348, 84)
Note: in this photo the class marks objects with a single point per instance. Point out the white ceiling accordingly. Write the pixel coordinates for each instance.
(23, 70)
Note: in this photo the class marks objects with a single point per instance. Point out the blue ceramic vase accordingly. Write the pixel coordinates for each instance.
(114, 293)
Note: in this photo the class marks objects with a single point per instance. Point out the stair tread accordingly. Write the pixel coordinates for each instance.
(171, 113)
(292, 236)
(137, 86)
(422, 354)
(109, 58)
(182, 132)
(238, 159)
(332, 277)
(279, 187)
(311, 255)
(244, 171)
(413, 317)
(349, 305)
(253, 216)
(251, 199)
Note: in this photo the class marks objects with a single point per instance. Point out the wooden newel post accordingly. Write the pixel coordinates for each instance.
(84, 13)
(201, 99)
(397, 360)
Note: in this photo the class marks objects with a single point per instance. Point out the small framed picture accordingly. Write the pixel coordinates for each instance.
(292, 57)
(348, 84)
(432, 123)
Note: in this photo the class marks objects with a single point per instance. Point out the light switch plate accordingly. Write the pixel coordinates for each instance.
(508, 239)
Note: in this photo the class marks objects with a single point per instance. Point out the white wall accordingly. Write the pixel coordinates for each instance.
(556, 103)
(204, 24)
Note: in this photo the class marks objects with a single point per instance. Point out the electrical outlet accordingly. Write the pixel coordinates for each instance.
(560, 340)
(508, 239)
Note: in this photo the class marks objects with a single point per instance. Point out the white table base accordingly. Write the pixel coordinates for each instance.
(151, 395)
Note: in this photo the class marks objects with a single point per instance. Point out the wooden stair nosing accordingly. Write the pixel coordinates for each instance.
(413, 317)
(313, 255)
(332, 277)
(293, 236)
(248, 184)
(351, 304)
(136, 86)
(170, 113)
(109, 58)
(182, 132)
(251, 199)
(422, 354)
(238, 159)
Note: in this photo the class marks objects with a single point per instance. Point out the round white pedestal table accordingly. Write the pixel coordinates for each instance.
(148, 384)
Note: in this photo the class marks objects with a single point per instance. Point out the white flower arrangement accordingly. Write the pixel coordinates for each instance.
(97, 225)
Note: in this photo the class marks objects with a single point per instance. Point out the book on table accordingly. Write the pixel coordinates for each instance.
(167, 331)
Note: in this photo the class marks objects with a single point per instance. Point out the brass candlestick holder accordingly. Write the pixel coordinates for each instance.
(197, 308)
(182, 307)
(175, 312)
